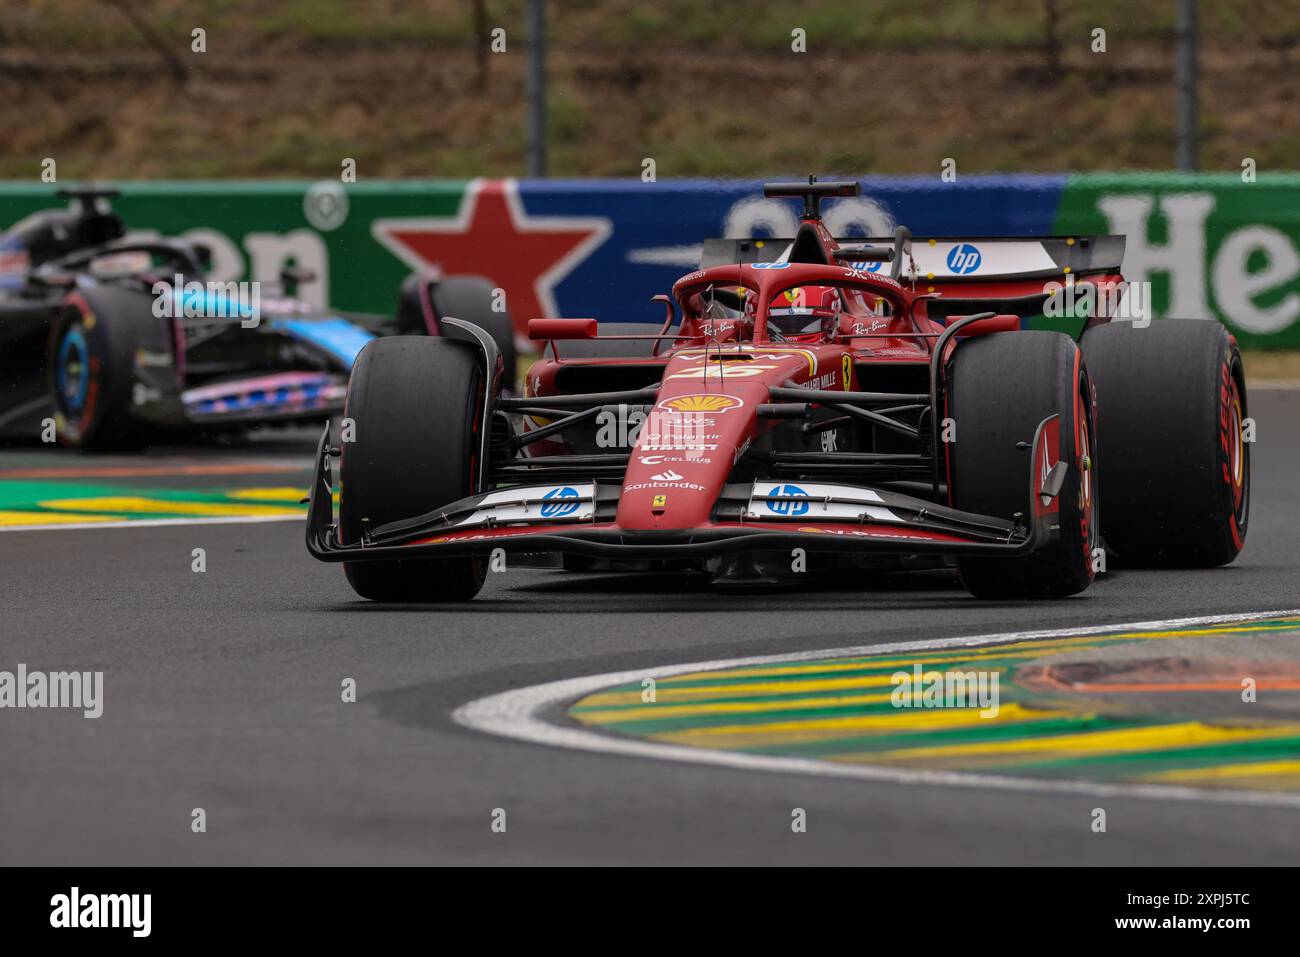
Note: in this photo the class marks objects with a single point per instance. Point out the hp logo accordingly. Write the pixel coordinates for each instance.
(964, 259)
(559, 502)
(792, 509)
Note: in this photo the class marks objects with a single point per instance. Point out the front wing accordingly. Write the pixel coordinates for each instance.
(825, 518)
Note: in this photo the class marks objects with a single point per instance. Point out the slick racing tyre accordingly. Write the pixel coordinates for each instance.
(1001, 387)
(90, 367)
(415, 407)
(1171, 409)
(468, 298)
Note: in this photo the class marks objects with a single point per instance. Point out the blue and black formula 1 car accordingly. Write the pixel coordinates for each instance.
(116, 341)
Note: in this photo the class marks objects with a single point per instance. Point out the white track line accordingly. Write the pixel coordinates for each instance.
(155, 523)
(518, 714)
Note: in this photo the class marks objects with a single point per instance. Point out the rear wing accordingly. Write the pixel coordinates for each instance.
(961, 260)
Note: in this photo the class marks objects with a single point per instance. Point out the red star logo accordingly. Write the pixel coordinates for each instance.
(493, 236)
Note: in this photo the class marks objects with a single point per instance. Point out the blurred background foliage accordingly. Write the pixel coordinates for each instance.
(111, 89)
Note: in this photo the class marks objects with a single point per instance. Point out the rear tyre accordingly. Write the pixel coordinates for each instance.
(1171, 403)
(90, 367)
(415, 404)
(468, 298)
(1002, 386)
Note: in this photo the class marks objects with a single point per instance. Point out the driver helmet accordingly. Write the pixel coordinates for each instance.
(805, 313)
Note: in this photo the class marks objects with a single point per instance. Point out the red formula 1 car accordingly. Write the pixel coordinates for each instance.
(873, 404)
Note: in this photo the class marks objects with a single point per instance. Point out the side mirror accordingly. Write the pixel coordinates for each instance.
(554, 329)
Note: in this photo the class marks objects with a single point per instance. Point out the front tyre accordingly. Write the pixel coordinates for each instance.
(1002, 386)
(414, 405)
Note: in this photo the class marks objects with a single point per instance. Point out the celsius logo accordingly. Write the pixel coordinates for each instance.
(559, 502)
(964, 259)
(788, 508)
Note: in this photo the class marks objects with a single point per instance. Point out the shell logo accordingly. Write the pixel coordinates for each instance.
(701, 403)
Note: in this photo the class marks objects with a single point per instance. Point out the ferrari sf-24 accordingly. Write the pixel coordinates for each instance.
(804, 402)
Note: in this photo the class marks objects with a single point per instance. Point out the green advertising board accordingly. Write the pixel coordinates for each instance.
(1211, 246)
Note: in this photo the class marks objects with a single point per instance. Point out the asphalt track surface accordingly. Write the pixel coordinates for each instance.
(222, 692)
